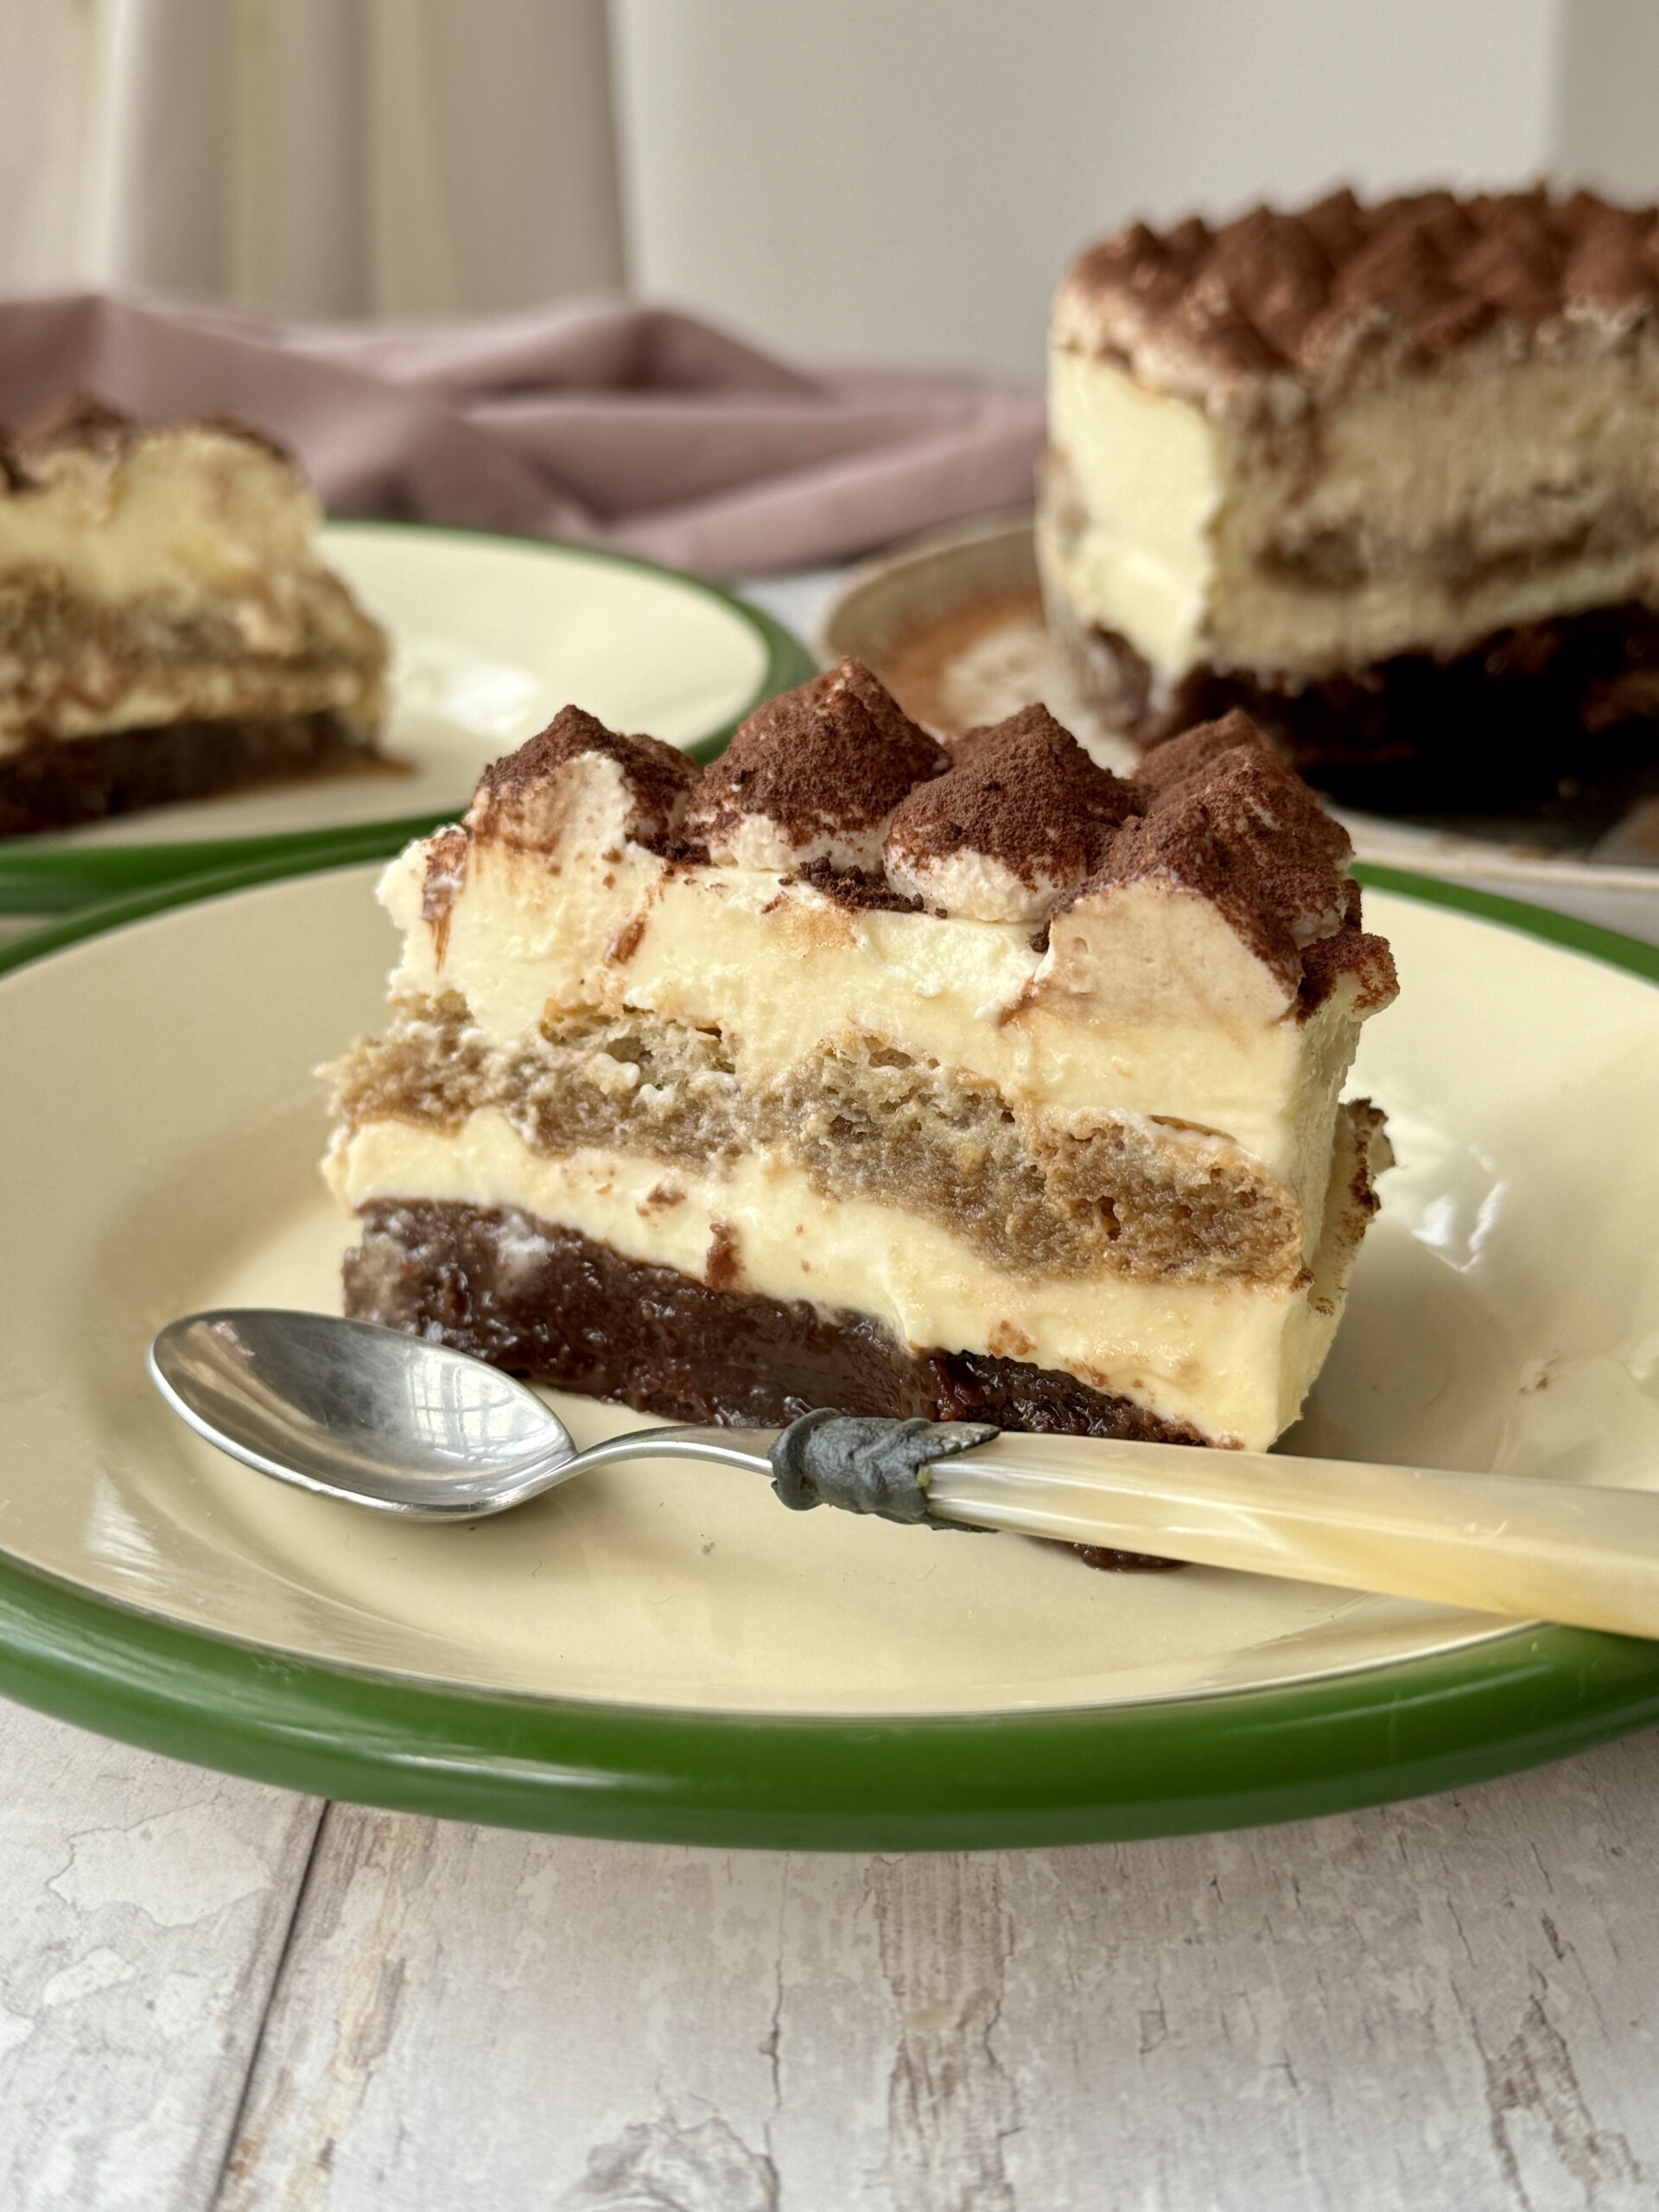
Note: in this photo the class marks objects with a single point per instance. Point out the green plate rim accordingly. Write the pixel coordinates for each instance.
(970, 1782)
(32, 881)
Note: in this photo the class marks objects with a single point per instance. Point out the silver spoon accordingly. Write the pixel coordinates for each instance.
(379, 1419)
(410, 1427)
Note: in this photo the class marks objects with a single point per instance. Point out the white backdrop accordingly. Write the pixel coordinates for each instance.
(861, 178)
(869, 179)
(329, 157)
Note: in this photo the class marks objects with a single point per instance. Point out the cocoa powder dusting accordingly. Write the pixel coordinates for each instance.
(1227, 819)
(1354, 953)
(853, 888)
(838, 754)
(446, 872)
(659, 777)
(1025, 793)
(83, 422)
(1300, 295)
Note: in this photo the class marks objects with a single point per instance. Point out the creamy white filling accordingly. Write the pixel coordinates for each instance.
(1234, 1360)
(1198, 538)
(1151, 472)
(973, 886)
(757, 842)
(1150, 1004)
(182, 513)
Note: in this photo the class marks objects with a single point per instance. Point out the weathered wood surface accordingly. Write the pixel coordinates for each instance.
(1450, 2004)
(144, 1908)
(207, 2002)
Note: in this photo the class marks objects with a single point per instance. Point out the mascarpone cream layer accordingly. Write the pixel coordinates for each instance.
(178, 580)
(190, 513)
(1151, 1006)
(1235, 1362)
(1488, 495)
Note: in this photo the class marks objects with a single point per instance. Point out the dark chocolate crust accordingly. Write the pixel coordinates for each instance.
(1560, 714)
(548, 1302)
(54, 784)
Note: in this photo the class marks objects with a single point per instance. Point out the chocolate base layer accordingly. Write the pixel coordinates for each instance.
(551, 1303)
(54, 784)
(1562, 716)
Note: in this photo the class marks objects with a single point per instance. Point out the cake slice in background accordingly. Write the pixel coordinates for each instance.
(852, 1071)
(1386, 477)
(167, 629)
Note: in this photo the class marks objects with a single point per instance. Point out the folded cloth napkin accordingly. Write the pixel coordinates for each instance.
(597, 422)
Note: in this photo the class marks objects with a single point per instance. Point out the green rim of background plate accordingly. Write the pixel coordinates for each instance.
(967, 1782)
(67, 878)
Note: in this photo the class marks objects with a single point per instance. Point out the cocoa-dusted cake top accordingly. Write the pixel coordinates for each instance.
(1010, 824)
(1307, 300)
(657, 778)
(1226, 818)
(1022, 796)
(84, 423)
(814, 774)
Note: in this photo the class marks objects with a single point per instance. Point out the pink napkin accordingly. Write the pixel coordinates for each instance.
(597, 422)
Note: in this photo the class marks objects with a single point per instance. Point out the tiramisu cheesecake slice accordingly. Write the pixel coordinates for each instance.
(167, 627)
(1385, 477)
(852, 1072)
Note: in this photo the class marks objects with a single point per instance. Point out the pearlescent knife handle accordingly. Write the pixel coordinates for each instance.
(1581, 1554)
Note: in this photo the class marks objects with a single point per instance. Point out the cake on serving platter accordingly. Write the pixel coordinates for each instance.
(1386, 477)
(851, 1070)
(167, 629)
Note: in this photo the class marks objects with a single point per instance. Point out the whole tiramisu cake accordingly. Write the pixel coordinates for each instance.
(1385, 477)
(167, 628)
(852, 1072)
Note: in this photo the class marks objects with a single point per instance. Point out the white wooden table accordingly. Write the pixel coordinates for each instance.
(214, 1994)
(217, 1995)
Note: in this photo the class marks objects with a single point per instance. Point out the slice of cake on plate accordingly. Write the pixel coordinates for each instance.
(1385, 477)
(167, 629)
(852, 1072)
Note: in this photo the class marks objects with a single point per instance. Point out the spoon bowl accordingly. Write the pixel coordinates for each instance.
(344, 1408)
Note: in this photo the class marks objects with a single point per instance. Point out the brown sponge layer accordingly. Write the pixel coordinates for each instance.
(1035, 1193)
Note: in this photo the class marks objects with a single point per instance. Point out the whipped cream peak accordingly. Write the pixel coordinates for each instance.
(1021, 816)
(1179, 761)
(813, 775)
(1227, 821)
(577, 783)
(92, 504)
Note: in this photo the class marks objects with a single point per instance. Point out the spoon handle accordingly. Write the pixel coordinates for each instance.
(1585, 1555)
